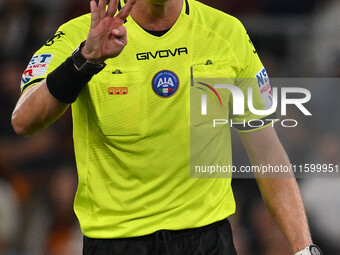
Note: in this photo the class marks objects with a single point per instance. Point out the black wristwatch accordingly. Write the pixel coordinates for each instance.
(83, 65)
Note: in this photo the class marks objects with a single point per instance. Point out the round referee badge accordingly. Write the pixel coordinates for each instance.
(165, 83)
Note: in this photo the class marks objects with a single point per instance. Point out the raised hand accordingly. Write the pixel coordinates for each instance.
(107, 37)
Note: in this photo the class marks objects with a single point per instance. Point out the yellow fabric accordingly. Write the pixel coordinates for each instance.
(133, 150)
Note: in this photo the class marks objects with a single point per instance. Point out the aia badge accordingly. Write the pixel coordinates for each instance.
(165, 83)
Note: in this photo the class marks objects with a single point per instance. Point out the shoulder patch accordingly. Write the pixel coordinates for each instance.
(265, 88)
(37, 67)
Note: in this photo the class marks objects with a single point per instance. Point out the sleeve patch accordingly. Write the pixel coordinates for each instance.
(37, 67)
(265, 89)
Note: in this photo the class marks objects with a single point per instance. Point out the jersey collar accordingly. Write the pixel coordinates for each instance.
(187, 9)
(121, 3)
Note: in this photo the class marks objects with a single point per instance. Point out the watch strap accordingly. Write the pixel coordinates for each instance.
(83, 65)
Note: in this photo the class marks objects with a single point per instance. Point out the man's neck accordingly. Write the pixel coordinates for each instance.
(156, 15)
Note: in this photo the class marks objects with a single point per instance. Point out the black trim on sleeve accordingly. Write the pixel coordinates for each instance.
(187, 10)
(30, 83)
(245, 126)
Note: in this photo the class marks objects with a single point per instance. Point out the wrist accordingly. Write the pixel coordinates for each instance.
(65, 83)
(83, 65)
(88, 56)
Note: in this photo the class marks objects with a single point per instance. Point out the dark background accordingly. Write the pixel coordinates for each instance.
(38, 175)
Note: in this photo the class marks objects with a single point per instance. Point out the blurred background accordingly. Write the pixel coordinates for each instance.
(38, 175)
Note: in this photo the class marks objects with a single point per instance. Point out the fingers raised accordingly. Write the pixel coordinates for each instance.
(98, 12)
(102, 8)
(111, 11)
(94, 14)
(126, 10)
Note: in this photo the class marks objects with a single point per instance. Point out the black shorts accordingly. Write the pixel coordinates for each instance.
(213, 239)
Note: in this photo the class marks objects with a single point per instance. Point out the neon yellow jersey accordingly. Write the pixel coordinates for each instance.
(131, 123)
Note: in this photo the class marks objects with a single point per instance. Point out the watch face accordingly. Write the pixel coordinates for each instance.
(314, 250)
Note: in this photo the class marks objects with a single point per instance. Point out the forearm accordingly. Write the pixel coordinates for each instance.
(36, 110)
(283, 200)
(280, 192)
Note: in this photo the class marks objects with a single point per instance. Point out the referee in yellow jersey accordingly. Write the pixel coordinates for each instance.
(126, 70)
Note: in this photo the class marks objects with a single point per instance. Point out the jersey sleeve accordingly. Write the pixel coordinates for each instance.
(54, 52)
(250, 74)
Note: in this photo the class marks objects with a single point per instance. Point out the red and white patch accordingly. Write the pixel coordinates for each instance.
(36, 67)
